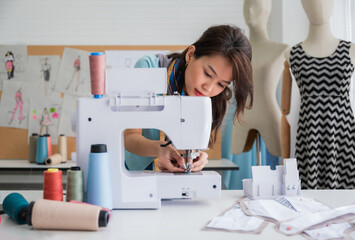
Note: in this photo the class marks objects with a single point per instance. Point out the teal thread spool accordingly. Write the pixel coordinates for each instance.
(41, 150)
(75, 184)
(15, 205)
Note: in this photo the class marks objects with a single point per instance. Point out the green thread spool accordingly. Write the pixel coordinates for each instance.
(32, 148)
(75, 184)
(15, 205)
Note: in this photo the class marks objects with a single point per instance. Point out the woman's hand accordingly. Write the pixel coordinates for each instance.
(200, 162)
(169, 160)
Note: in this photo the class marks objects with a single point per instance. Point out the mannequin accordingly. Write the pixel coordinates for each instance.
(322, 66)
(268, 56)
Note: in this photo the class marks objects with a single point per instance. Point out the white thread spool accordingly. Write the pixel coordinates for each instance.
(62, 146)
(54, 159)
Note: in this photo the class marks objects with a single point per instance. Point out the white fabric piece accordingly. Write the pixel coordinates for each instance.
(332, 231)
(272, 209)
(235, 220)
(306, 221)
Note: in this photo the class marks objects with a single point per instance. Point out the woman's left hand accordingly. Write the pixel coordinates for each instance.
(200, 162)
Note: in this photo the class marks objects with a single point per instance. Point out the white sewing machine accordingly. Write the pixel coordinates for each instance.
(135, 101)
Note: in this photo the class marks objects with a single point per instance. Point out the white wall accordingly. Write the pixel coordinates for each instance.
(113, 22)
(122, 22)
(294, 22)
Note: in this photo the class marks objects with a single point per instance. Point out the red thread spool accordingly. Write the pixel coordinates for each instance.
(49, 144)
(97, 63)
(52, 185)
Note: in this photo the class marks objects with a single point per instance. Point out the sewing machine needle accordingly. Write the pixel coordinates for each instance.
(188, 166)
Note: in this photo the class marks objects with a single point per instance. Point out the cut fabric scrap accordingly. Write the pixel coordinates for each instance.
(235, 220)
(276, 211)
(317, 219)
(287, 209)
(333, 231)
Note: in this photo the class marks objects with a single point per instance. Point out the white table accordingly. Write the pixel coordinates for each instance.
(220, 165)
(213, 164)
(25, 164)
(21, 174)
(177, 219)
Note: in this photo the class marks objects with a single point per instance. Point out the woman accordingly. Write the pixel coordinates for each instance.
(219, 59)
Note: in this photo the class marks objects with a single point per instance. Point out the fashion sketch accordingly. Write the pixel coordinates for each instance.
(46, 74)
(76, 73)
(19, 106)
(9, 64)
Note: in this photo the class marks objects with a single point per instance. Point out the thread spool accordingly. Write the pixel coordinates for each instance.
(102, 208)
(41, 149)
(99, 190)
(49, 144)
(46, 214)
(54, 159)
(97, 73)
(62, 146)
(75, 184)
(52, 185)
(32, 148)
(15, 205)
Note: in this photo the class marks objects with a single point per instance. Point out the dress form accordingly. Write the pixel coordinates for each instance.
(320, 43)
(265, 116)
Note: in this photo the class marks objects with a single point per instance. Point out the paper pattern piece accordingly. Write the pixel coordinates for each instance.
(13, 63)
(302, 209)
(44, 71)
(309, 220)
(15, 103)
(74, 73)
(274, 210)
(333, 231)
(235, 220)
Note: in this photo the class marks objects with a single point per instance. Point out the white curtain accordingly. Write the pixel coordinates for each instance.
(343, 27)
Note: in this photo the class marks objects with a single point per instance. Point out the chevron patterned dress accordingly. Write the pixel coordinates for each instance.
(325, 141)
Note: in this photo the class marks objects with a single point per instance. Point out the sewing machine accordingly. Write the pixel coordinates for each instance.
(135, 100)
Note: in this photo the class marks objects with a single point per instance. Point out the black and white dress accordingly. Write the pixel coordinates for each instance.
(325, 142)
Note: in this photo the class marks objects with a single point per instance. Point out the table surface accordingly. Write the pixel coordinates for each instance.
(25, 164)
(176, 219)
(213, 164)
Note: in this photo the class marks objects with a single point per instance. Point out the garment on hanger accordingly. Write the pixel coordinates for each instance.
(325, 141)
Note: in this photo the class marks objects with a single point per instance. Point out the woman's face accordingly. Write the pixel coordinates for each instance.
(207, 75)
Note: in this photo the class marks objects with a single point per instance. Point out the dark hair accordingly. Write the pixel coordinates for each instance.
(230, 42)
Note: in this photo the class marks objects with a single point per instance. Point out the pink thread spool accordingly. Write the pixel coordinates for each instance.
(97, 73)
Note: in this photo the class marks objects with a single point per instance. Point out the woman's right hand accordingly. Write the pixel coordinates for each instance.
(170, 160)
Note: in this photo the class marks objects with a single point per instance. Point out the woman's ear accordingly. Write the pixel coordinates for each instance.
(190, 53)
